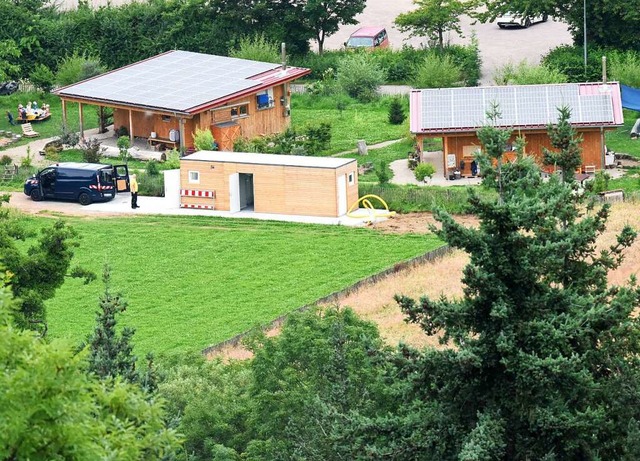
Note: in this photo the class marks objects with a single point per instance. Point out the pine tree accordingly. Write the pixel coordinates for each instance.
(543, 360)
(111, 353)
(396, 113)
(567, 144)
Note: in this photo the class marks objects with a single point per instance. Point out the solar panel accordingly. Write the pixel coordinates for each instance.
(526, 105)
(179, 80)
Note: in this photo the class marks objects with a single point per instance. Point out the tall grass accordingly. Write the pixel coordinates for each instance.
(406, 199)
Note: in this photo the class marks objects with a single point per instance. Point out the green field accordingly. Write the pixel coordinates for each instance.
(196, 281)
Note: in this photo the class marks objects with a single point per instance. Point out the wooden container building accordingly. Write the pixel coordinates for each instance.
(268, 183)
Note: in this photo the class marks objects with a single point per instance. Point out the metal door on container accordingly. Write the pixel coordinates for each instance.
(234, 192)
(342, 194)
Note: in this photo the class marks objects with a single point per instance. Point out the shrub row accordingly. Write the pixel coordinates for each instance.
(399, 65)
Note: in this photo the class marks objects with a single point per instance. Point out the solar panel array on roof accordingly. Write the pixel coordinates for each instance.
(177, 81)
(527, 105)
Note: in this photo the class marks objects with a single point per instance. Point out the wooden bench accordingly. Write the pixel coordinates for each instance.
(27, 130)
(153, 142)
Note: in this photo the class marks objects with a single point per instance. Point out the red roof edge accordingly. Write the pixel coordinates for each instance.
(296, 73)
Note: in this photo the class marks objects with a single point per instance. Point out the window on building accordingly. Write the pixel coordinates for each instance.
(352, 178)
(264, 99)
(194, 177)
(239, 111)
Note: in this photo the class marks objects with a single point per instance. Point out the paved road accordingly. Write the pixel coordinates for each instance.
(497, 46)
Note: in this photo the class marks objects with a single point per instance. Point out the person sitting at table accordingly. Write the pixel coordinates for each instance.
(22, 112)
(35, 106)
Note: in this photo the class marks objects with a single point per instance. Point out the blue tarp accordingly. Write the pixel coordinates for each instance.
(630, 97)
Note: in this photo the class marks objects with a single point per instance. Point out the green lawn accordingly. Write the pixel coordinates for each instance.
(48, 128)
(619, 140)
(196, 281)
(356, 121)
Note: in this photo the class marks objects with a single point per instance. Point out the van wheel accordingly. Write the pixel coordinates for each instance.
(84, 199)
(527, 23)
(35, 195)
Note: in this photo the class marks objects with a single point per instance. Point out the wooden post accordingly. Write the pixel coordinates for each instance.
(131, 126)
(81, 116)
(64, 112)
(181, 123)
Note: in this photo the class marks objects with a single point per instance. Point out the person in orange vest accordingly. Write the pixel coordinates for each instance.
(133, 187)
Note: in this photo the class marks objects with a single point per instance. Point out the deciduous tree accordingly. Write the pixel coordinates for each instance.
(433, 18)
(324, 17)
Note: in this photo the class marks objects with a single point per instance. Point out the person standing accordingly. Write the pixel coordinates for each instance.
(133, 187)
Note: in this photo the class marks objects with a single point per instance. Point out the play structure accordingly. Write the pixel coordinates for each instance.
(364, 209)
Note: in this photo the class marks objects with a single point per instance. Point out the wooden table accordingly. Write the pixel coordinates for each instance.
(162, 142)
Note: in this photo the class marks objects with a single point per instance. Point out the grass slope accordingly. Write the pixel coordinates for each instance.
(196, 281)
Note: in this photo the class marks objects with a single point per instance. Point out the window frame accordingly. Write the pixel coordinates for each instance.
(193, 180)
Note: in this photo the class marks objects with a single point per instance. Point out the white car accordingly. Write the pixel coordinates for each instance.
(512, 19)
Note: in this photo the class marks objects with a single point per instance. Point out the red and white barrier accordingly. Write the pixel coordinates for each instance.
(198, 193)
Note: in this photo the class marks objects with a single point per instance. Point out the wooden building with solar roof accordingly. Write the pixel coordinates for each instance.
(167, 97)
(455, 114)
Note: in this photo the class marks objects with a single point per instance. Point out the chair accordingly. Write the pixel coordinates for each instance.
(590, 169)
(27, 130)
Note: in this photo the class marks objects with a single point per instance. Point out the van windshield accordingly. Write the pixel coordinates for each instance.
(106, 176)
(360, 41)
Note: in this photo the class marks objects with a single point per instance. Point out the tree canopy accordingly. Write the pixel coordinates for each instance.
(544, 356)
(50, 408)
(433, 18)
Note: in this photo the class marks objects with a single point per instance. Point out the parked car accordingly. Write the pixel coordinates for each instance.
(370, 37)
(82, 182)
(515, 20)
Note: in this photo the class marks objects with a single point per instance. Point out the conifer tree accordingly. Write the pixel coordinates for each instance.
(110, 352)
(567, 144)
(543, 360)
(396, 114)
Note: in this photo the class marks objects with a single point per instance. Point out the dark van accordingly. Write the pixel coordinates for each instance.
(84, 182)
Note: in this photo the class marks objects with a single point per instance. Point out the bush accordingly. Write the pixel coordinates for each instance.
(173, 160)
(424, 170)
(256, 48)
(569, 60)
(437, 71)
(91, 150)
(527, 74)
(6, 160)
(78, 67)
(359, 76)
(153, 169)
(382, 172)
(151, 185)
(124, 143)
(625, 67)
(68, 137)
(42, 77)
(396, 112)
(600, 183)
(203, 139)
(318, 138)
(122, 131)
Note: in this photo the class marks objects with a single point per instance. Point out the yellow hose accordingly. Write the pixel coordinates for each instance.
(370, 212)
